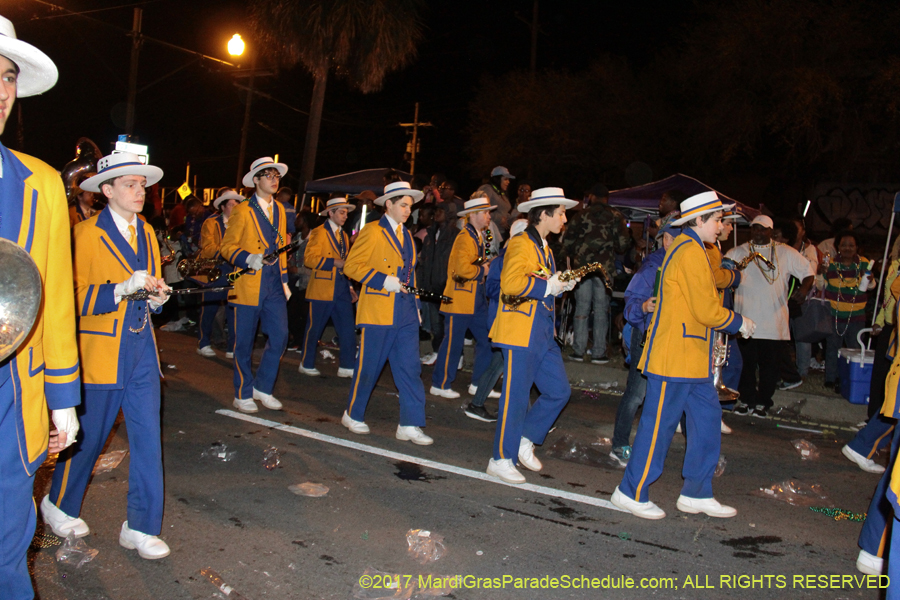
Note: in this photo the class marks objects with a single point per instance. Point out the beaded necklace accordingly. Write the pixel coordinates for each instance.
(773, 258)
(265, 217)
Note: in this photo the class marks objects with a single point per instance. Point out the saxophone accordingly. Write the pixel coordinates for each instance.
(514, 301)
(204, 267)
(742, 264)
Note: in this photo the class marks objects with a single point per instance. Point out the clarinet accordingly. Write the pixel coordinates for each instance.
(145, 294)
(232, 277)
(426, 295)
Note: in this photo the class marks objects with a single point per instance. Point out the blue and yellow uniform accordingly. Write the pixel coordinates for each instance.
(43, 372)
(210, 243)
(389, 320)
(467, 311)
(530, 353)
(678, 364)
(120, 369)
(328, 294)
(259, 297)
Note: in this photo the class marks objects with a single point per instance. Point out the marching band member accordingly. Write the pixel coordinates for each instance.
(525, 335)
(329, 293)
(257, 228)
(43, 371)
(383, 260)
(210, 243)
(677, 362)
(468, 310)
(82, 207)
(116, 255)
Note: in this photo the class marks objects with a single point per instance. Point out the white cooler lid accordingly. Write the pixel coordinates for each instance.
(858, 355)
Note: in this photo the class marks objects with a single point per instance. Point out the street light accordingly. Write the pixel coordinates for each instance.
(236, 45)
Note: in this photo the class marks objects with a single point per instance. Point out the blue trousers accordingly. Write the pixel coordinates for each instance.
(208, 309)
(540, 365)
(893, 567)
(874, 537)
(452, 346)
(270, 316)
(663, 405)
(633, 397)
(400, 346)
(489, 377)
(139, 400)
(341, 314)
(17, 513)
(874, 436)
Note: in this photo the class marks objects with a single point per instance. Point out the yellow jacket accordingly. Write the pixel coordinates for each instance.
(322, 249)
(375, 255)
(467, 247)
(103, 259)
(44, 368)
(247, 234)
(679, 339)
(724, 278)
(517, 327)
(211, 234)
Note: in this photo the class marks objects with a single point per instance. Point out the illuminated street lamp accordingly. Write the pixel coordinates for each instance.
(236, 45)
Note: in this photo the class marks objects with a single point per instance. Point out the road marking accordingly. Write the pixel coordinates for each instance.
(424, 462)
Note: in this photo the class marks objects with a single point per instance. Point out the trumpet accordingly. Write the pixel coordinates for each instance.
(514, 301)
(742, 264)
(204, 267)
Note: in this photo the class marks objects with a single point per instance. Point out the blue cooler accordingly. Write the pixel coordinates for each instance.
(855, 371)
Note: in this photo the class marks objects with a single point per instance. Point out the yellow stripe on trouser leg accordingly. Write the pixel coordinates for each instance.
(447, 357)
(362, 348)
(659, 409)
(506, 407)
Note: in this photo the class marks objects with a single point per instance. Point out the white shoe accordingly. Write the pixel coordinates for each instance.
(314, 372)
(229, 355)
(709, 506)
(448, 393)
(268, 400)
(429, 359)
(526, 455)
(505, 470)
(353, 425)
(148, 546)
(866, 464)
(468, 342)
(60, 523)
(869, 564)
(345, 373)
(678, 427)
(245, 405)
(725, 428)
(206, 351)
(473, 390)
(461, 362)
(644, 510)
(411, 433)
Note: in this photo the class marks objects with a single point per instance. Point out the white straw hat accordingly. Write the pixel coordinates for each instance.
(337, 203)
(266, 162)
(549, 196)
(37, 73)
(119, 165)
(399, 189)
(475, 205)
(227, 195)
(700, 204)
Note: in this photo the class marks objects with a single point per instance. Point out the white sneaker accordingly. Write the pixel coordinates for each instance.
(345, 373)
(60, 523)
(429, 359)
(505, 470)
(708, 506)
(869, 564)
(229, 355)
(148, 546)
(448, 393)
(473, 390)
(411, 433)
(468, 342)
(866, 464)
(353, 425)
(461, 363)
(526, 455)
(314, 372)
(268, 400)
(725, 428)
(206, 351)
(678, 427)
(644, 510)
(245, 405)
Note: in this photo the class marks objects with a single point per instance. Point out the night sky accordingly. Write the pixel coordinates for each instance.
(196, 113)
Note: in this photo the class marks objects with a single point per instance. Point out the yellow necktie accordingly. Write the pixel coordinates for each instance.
(271, 213)
(132, 238)
(400, 234)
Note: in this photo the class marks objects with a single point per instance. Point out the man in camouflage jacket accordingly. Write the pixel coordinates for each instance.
(596, 235)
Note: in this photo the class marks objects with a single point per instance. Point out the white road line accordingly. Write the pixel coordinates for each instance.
(431, 464)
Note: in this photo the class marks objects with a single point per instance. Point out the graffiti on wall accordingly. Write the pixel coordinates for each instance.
(868, 207)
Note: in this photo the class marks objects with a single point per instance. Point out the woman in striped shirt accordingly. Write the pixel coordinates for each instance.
(848, 303)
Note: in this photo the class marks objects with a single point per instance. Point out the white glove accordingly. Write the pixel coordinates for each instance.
(747, 328)
(66, 420)
(391, 284)
(154, 304)
(287, 291)
(255, 262)
(569, 285)
(131, 285)
(554, 286)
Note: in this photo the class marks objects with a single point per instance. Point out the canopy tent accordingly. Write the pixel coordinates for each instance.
(353, 183)
(643, 200)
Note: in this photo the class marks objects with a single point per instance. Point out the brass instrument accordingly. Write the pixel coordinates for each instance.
(568, 275)
(20, 296)
(720, 358)
(86, 156)
(170, 257)
(204, 267)
(742, 264)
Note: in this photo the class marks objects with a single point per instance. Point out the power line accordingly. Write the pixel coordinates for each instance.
(70, 13)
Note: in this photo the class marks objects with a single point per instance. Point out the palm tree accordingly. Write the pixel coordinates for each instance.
(361, 40)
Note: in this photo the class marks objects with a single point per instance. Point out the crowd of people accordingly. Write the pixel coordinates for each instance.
(396, 267)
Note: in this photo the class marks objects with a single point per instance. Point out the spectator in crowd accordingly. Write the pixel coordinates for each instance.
(370, 213)
(496, 193)
(763, 297)
(829, 247)
(448, 194)
(426, 219)
(432, 190)
(794, 233)
(431, 272)
(848, 302)
(177, 214)
(83, 205)
(193, 224)
(597, 235)
(285, 196)
(523, 194)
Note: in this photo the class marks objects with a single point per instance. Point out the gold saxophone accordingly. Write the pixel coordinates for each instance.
(204, 267)
(514, 301)
(170, 257)
(742, 264)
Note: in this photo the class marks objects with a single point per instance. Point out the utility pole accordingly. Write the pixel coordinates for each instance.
(415, 138)
(534, 35)
(133, 72)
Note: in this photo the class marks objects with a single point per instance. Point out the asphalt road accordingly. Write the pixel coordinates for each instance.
(241, 520)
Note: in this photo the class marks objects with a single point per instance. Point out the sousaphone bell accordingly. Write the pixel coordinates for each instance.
(20, 296)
